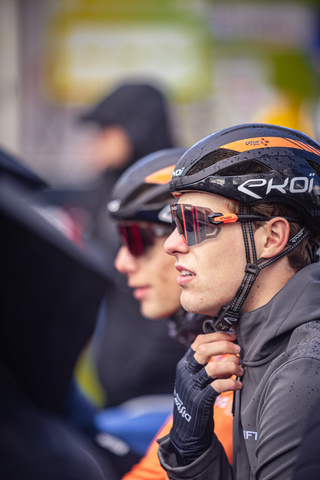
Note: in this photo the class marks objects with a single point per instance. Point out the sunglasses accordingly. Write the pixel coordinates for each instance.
(196, 224)
(138, 238)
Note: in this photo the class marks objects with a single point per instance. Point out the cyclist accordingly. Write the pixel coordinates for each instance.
(245, 247)
(141, 207)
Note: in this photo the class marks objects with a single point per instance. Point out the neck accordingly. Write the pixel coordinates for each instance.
(268, 283)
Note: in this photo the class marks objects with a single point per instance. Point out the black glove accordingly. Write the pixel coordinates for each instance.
(194, 397)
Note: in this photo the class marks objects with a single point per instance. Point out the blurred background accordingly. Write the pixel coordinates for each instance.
(219, 62)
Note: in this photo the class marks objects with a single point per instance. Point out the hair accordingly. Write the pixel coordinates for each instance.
(300, 256)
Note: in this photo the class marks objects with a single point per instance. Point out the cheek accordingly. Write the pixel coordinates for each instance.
(221, 264)
(168, 289)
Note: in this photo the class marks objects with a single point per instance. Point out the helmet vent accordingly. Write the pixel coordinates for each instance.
(240, 168)
(136, 193)
(211, 159)
(247, 167)
(315, 166)
(139, 195)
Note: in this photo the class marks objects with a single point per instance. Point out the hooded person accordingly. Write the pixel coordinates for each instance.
(132, 121)
(141, 111)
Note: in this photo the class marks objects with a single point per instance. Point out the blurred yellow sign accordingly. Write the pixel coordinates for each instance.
(85, 56)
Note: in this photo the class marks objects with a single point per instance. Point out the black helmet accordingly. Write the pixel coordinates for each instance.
(255, 163)
(142, 191)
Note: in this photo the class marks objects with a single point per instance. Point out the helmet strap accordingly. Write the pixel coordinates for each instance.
(230, 314)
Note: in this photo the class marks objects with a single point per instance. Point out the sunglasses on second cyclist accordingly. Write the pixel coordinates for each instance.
(139, 238)
(196, 224)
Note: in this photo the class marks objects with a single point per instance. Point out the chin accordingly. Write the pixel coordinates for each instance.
(195, 307)
(190, 307)
(151, 314)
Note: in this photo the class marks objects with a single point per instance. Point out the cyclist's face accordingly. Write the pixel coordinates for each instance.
(209, 272)
(152, 277)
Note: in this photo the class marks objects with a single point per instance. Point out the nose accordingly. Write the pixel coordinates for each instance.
(125, 262)
(174, 244)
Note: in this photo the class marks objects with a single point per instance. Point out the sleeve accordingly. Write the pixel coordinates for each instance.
(211, 465)
(308, 464)
(288, 398)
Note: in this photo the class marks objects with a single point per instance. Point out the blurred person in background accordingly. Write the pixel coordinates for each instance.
(140, 206)
(132, 121)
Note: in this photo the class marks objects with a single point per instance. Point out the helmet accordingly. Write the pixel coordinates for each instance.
(142, 191)
(255, 163)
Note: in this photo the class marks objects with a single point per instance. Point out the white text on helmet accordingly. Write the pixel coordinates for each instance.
(178, 172)
(296, 185)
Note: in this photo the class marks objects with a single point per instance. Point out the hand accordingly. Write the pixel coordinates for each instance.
(195, 392)
(207, 346)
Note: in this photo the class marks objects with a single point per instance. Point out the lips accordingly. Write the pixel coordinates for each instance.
(185, 277)
(140, 292)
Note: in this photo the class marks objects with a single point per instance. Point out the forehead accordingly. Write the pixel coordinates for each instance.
(202, 199)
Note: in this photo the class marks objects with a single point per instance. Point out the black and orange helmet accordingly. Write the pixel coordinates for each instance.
(255, 163)
(142, 191)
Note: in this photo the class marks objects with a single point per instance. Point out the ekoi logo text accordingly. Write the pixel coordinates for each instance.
(293, 185)
(180, 407)
(178, 172)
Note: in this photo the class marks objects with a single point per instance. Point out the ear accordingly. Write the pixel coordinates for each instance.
(272, 237)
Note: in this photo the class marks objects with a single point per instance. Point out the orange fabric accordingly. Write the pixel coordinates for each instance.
(149, 466)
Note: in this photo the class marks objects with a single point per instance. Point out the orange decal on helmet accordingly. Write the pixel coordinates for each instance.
(161, 176)
(268, 142)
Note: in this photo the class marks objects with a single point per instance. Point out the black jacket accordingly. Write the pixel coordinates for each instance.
(50, 298)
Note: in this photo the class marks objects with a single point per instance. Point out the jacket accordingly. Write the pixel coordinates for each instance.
(280, 352)
(52, 294)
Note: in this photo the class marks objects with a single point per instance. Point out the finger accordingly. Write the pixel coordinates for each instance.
(226, 385)
(224, 369)
(206, 350)
(212, 337)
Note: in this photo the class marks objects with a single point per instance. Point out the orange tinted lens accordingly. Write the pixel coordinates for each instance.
(193, 224)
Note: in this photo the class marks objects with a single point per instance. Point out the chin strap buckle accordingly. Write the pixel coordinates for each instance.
(224, 322)
(252, 268)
